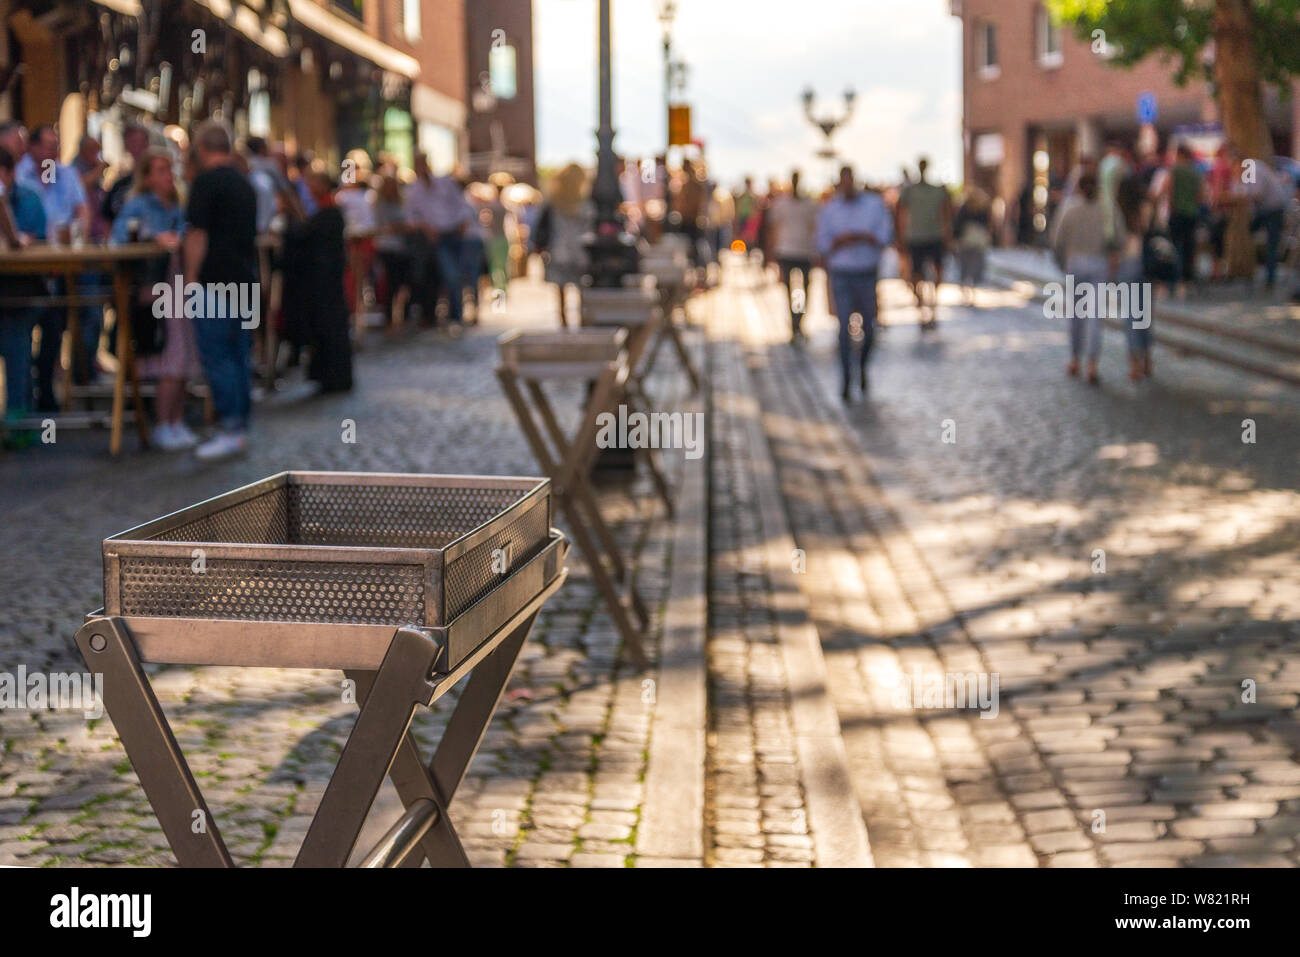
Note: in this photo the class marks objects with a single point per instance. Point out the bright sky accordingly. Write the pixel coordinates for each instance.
(749, 62)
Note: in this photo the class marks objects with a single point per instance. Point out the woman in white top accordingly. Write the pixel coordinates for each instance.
(1083, 251)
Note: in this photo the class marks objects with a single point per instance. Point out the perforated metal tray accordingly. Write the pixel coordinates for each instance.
(569, 353)
(620, 307)
(331, 548)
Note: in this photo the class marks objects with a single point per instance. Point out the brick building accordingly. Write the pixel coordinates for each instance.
(499, 78)
(1035, 97)
(322, 75)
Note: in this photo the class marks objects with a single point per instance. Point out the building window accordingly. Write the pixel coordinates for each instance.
(411, 19)
(355, 8)
(1047, 38)
(986, 50)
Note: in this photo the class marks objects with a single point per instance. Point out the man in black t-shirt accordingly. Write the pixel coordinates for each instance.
(220, 253)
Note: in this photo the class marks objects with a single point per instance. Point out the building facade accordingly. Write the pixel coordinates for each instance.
(324, 76)
(499, 83)
(1036, 98)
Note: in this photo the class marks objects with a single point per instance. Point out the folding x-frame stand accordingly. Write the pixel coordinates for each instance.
(410, 673)
(530, 360)
(648, 318)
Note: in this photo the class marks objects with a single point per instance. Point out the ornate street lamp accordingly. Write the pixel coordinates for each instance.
(826, 123)
(612, 251)
(668, 13)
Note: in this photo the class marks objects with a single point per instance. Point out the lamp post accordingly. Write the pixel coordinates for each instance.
(826, 123)
(667, 13)
(612, 251)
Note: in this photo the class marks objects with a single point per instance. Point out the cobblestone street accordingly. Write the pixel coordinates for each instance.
(558, 777)
(1119, 560)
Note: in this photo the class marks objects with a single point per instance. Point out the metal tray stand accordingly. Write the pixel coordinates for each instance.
(405, 582)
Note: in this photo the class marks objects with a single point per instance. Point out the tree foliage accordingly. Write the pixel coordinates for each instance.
(1182, 30)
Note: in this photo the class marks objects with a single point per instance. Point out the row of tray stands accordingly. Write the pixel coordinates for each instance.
(409, 584)
(614, 352)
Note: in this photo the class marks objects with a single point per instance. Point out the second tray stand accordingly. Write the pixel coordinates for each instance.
(393, 675)
(528, 360)
(671, 270)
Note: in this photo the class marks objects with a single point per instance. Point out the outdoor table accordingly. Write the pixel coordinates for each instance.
(528, 362)
(407, 583)
(72, 262)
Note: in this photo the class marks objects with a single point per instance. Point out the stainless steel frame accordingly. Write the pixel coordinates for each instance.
(397, 665)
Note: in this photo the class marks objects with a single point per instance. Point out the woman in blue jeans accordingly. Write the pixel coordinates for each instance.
(1084, 250)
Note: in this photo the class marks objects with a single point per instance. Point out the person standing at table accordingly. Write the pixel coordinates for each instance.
(166, 347)
(853, 230)
(24, 212)
(66, 213)
(220, 247)
(135, 140)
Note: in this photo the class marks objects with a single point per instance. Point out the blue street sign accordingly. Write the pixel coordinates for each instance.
(1147, 108)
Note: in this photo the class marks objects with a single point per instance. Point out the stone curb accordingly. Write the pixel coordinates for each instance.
(672, 816)
(834, 815)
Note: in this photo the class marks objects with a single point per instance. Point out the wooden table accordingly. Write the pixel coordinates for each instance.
(72, 262)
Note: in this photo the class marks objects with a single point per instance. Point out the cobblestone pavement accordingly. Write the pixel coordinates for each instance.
(558, 777)
(1119, 557)
(756, 810)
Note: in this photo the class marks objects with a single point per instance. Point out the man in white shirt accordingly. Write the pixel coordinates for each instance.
(436, 206)
(852, 232)
(793, 220)
(1271, 190)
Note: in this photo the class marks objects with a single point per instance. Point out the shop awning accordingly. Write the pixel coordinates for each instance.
(336, 30)
(246, 21)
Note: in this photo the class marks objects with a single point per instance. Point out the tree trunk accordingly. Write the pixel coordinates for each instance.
(1241, 107)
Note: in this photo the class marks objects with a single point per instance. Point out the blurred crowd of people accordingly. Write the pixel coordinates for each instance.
(366, 239)
(1169, 222)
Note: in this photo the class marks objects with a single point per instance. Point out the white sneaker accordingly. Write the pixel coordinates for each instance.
(223, 445)
(165, 438)
(183, 434)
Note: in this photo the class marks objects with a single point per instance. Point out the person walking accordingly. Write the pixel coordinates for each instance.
(166, 349)
(1137, 211)
(925, 229)
(852, 231)
(559, 233)
(220, 248)
(1271, 190)
(973, 228)
(437, 207)
(1083, 250)
(793, 224)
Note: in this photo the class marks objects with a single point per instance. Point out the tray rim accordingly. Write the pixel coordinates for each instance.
(128, 544)
(531, 487)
